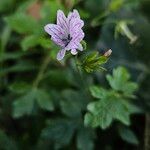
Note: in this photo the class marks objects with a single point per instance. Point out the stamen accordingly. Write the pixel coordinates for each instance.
(66, 41)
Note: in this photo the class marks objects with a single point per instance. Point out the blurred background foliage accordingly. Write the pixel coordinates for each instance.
(46, 104)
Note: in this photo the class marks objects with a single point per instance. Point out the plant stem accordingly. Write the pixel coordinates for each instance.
(147, 132)
(77, 65)
(41, 71)
(79, 70)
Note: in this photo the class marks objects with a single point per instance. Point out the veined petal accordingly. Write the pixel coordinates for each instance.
(76, 13)
(54, 30)
(62, 20)
(75, 42)
(61, 54)
(57, 34)
(78, 37)
(72, 45)
(76, 24)
(58, 41)
(73, 15)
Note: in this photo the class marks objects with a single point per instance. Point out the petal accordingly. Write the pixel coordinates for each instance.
(61, 54)
(74, 52)
(73, 14)
(54, 30)
(72, 45)
(76, 13)
(78, 37)
(62, 20)
(58, 41)
(76, 28)
(80, 47)
(76, 23)
(57, 34)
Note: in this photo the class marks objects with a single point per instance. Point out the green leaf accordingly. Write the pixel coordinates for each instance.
(35, 40)
(46, 43)
(49, 10)
(29, 42)
(44, 100)
(6, 5)
(59, 131)
(112, 104)
(85, 139)
(11, 55)
(128, 135)
(98, 92)
(22, 23)
(119, 81)
(72, 104)
(20, 87)
(21, 66)
(5, 37)
(25, 104)
(103, 112)
(115, 5)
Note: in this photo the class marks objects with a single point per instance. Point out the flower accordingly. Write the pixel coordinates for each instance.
(67, 33)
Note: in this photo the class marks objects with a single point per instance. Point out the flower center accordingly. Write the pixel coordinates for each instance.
(67, 40)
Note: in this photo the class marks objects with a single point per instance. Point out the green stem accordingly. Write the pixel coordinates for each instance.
(77, 65)
(41, 71)
(79, 70)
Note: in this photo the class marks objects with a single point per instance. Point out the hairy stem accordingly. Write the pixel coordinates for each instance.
(79, 70)
(41, 71)
(77, 65)
(147, 132)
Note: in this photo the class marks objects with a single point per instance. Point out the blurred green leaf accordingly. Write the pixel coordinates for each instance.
(59, 131)
(20, 87)
(98, 92)
(115, 5)
(49, 9)
(25, 104)
(128, 135)
(44, 100)
(119, 81)
(72, 103)
(35, 40)
(5, 37)
(29, 42)
(19, 67)
(46, 43)
(11, 55)
(6, 5)
(22, 23)
(85, 139)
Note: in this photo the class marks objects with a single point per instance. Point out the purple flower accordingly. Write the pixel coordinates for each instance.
(67, 33)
